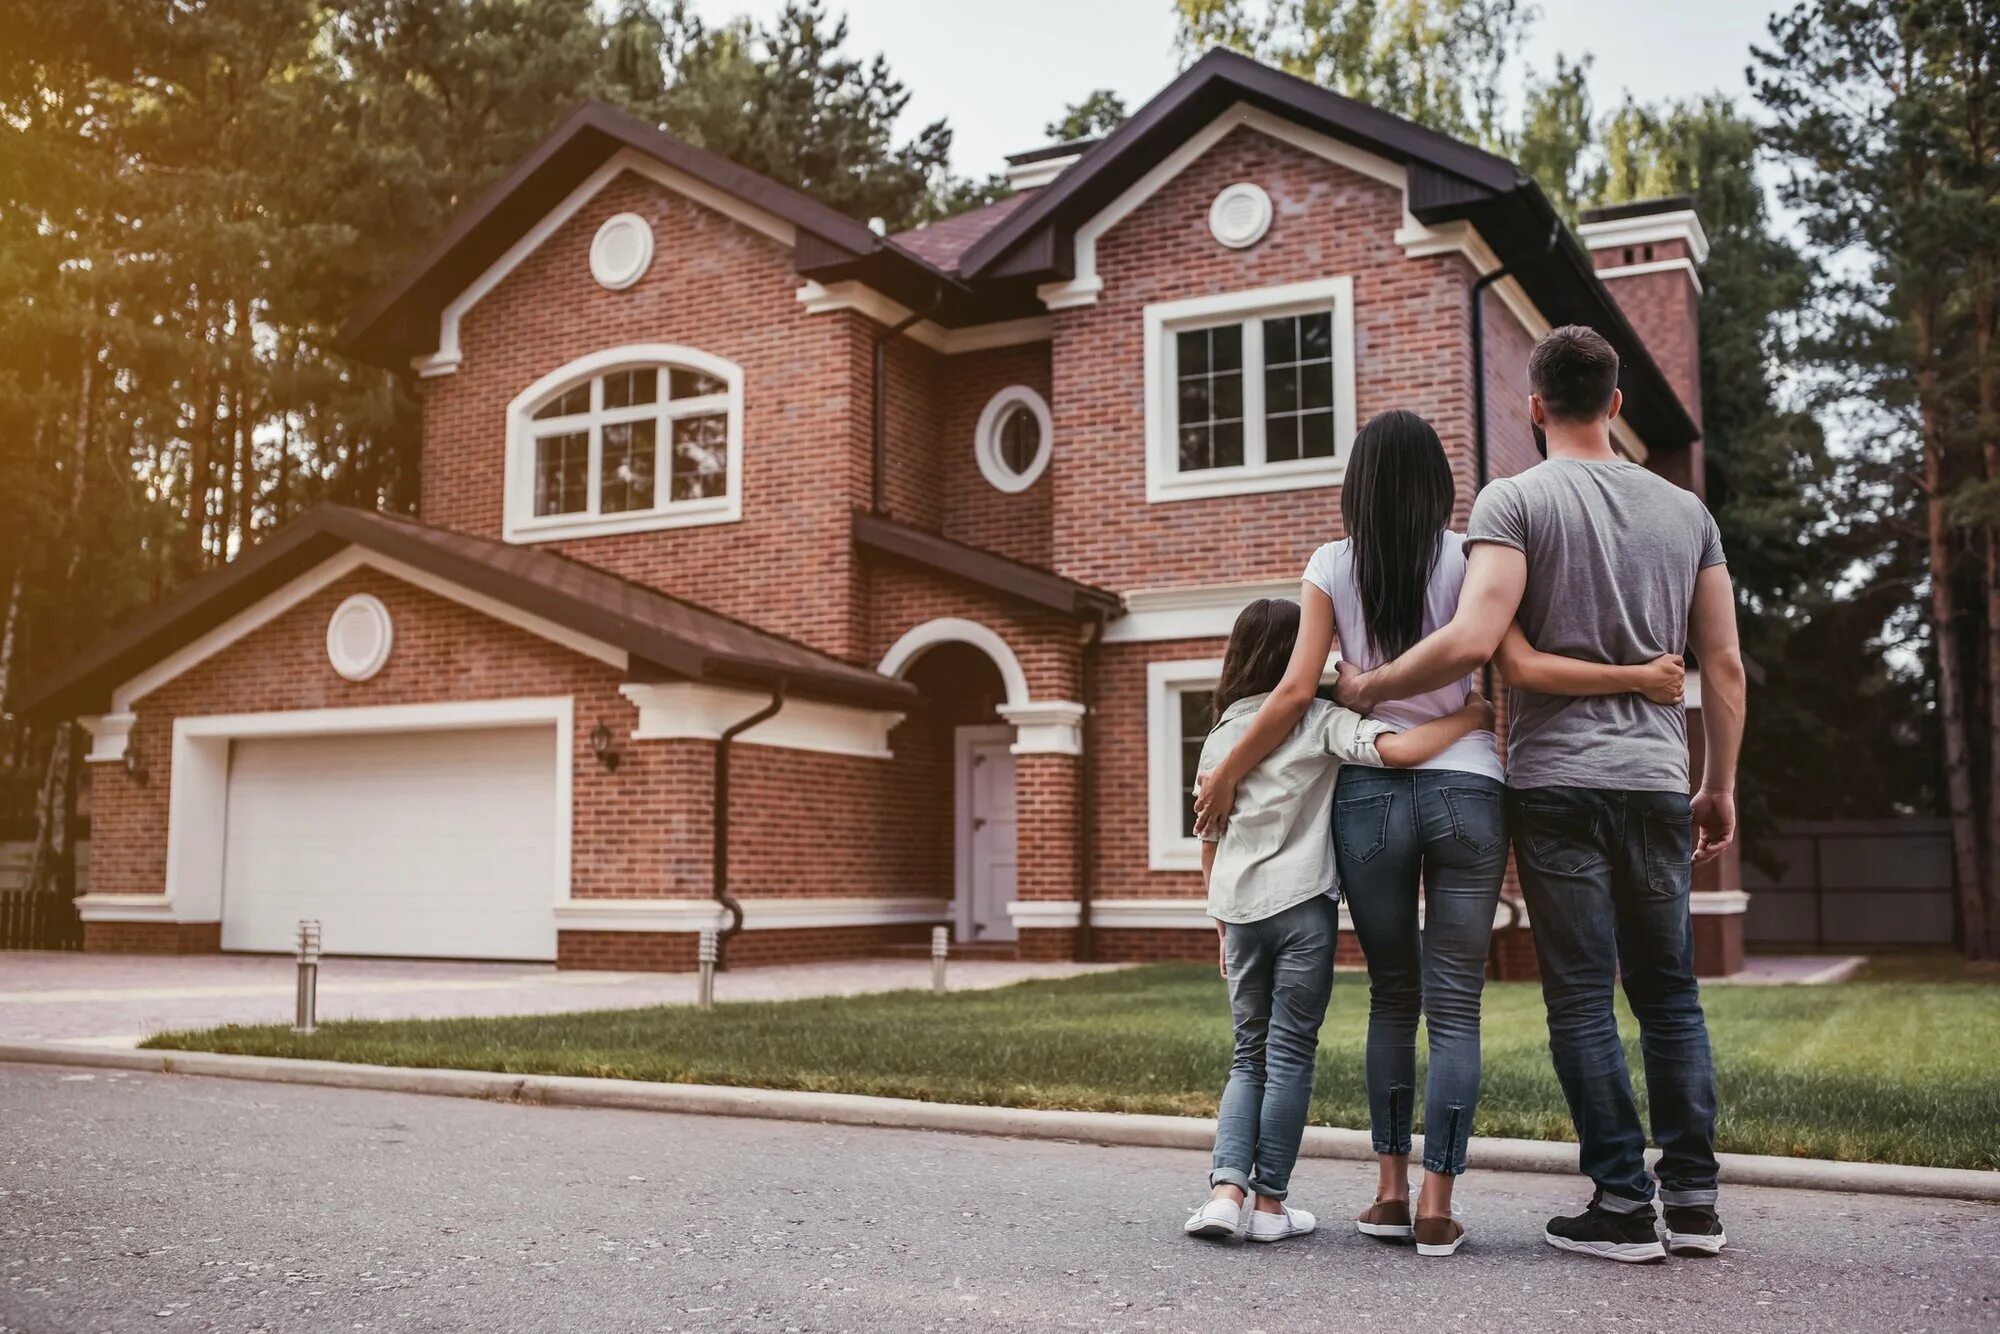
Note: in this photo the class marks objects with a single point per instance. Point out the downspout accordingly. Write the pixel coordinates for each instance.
(719, 837)
(878, 428)
(1480, 465)
(1086, 799)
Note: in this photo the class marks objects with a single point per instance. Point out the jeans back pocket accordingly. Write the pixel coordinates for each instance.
(1361, 825)
(1477, 818)
(1669, 852)
(1562, 839)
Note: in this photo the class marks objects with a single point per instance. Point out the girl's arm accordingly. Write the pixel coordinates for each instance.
(1427, 741)
(1660, 680)
(1277, 716)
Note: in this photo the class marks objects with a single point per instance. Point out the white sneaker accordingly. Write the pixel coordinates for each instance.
(1215, 1219)
(1289, 1222)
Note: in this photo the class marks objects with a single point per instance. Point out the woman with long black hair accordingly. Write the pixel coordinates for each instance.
(1439, 828)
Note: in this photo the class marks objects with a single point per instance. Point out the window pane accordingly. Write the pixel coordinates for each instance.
(1281, 389)
(1226, 392)
(1280, 341)
(1196, 716)
(1316, 385)
(1316, 435)
(701, 456)
(1194, 448)
(1210, 397)
(1228, 447)
(572, 402)
(1281, 439)
(623, 389)
(1226, 347)
(628, 466)
(693, 384)
(1020, 440)
(1315, 336)
(1191, 349)
(562, 473)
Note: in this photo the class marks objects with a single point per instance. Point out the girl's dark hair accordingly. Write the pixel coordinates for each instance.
(1260, 644)
(1395, 502)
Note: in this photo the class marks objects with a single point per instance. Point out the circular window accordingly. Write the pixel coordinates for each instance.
(1240, 215)
(359, 636)
(621, 251)
(1014, 438)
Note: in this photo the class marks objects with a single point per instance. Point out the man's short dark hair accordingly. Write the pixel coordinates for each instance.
(1575, 371)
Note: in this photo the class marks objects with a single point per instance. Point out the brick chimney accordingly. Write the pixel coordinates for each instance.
(1648, 254)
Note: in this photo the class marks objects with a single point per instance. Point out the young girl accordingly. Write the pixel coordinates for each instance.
(1272, 893)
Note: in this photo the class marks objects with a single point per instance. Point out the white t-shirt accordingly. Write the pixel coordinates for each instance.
(1331, 571)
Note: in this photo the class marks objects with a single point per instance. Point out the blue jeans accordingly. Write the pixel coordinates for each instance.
(1395, 828)
(1606, 877)
(1280, 976)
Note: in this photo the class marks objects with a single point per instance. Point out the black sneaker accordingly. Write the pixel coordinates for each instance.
(1693, 1229)
(1631, 1238)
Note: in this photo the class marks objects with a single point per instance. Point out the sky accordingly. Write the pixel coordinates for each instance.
(1001, 70)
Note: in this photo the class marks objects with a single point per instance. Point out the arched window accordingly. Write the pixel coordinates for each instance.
(628, 439)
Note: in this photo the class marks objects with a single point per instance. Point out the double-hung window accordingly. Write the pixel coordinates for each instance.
(1249, 391)
(629, 439)
(1178, 717)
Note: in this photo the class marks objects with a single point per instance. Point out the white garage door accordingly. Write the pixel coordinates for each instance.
(412, 843)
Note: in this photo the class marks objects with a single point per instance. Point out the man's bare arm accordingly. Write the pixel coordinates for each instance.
(1712, 635)
(1495, 578)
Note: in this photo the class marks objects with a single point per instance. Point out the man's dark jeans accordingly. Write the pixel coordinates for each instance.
(1606, 876)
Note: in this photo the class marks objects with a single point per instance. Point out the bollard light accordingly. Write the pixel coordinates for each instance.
(940, 947)
(307, 1019)
(705, 956)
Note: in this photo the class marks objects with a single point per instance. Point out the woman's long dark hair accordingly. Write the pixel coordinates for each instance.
(1395, 503)
(1260, 646)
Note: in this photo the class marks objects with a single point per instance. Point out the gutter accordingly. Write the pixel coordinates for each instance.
(719, 836)
(1086, 804)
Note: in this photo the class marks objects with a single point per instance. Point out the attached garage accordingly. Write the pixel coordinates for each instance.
(432, 843)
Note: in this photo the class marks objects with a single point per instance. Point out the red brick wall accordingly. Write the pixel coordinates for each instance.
(1123, 799)
(1014, 524)
(1411, 351)
(675, 951)
(1665, 309)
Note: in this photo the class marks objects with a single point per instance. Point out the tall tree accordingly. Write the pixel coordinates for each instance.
(1092, 118)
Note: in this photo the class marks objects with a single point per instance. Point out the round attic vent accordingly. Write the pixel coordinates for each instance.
(621, 251)
(359, 636)
(1240, 215)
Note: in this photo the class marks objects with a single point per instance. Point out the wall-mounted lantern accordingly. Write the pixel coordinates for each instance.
(601, 746)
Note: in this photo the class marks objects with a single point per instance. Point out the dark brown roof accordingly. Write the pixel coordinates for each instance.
(1638, 208)
(666, 637)
(942, 242)
(1010, 578)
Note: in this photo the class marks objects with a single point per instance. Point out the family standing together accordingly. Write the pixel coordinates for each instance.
(1584, 579)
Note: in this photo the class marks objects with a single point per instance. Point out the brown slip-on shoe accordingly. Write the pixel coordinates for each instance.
(1439, 1236)
(1385, 1218)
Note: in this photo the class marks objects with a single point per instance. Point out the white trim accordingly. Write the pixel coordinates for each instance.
(956, 629)
(1085, 287)
(963, 739)
(521, 525)
(325, 574)
(449, 354)
(652, 915)
(1167, 849)
(1718, 902)
(1164, 480)
(1207, 611)
(1680, 225)
(1045, 914)
(617, 280)
(363, 668)
(125, 908)
(1034, 175)
(687, 710)
(826, 298)
(1045, 727)
(986, 439)
(1257, 222)
(1684, 264)
(109, 735)
(200, 783)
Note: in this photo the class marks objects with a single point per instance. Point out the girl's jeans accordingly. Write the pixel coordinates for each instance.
(1280, 975)
(1394, 829)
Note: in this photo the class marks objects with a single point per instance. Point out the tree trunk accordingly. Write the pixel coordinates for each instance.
(193, 536)
(1986, 944)
(246, 465)
(79, 463)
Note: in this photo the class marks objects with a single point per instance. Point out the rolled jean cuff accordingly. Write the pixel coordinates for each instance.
(1678, 1199)
(1444, 1166)
(1395, 1150)
(1619, 1204)
(1263, 1191)
(1229, 1176)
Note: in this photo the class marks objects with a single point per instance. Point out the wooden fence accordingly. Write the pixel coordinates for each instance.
(1854, 883)
(37, 921)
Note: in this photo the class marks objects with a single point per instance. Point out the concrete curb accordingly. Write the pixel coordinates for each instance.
(1108, 1128)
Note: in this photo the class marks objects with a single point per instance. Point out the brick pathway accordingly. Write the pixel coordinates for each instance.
(116, 1000)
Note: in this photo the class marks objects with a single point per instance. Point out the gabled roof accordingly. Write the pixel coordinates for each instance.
(1011, 579)
(942, 242)
(665, 637)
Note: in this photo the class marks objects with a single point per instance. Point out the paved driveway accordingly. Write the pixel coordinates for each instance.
(116, 1000)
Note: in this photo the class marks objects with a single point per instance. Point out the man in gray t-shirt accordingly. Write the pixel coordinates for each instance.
(1599, 559)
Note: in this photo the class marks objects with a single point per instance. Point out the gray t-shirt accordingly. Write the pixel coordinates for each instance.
(1612, 551)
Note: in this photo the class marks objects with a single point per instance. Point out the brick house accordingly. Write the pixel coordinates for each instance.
(772, 571)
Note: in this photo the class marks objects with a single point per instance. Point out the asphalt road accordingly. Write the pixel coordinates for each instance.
(151, 1202)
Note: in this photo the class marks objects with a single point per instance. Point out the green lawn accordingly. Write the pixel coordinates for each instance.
(1903, 1072)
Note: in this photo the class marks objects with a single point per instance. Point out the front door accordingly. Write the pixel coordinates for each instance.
(985, 834)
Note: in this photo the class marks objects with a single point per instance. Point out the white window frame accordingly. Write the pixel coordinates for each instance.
(522, 524)
(1164, 479)
(986, 439)
(1167, 848)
